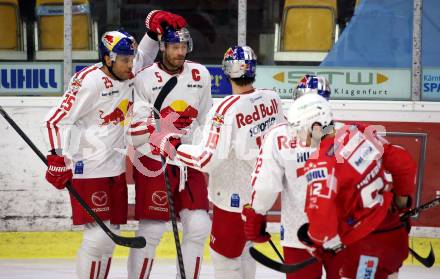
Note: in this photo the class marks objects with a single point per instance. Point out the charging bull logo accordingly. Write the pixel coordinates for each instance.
(218, 120)
(229, 54)
(185, 112)
(303, 82)
(109, 39)
(118, 115)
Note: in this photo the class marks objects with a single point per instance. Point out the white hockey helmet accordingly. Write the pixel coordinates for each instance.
(308, 110)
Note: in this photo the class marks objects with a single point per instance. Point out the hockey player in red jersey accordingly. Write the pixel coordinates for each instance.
(280, 170)
(86, 133)
(183, 110)
(349, 203)
(227, 151)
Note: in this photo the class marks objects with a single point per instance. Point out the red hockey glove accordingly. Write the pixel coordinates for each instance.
(318, 251)
(156, 19)
(167, 147)
(57, 173)
(254, 225)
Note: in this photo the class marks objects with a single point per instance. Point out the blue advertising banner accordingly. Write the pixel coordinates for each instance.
(431, 84)
(79, 66)
(22, 78)
(219, 82)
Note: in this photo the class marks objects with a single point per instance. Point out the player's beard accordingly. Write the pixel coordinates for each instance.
(173, 63)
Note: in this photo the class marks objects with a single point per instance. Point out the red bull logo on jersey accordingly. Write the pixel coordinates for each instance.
(218, 120)
(184, 110)
(118, 115)
(284, 142)
(260, 111)
(75, 85)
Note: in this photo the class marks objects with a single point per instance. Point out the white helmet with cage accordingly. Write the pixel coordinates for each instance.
(308, 110)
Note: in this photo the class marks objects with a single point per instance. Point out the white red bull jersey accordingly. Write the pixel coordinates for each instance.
(88, 124)
(230, 143)
(280, 169)
(184, 108)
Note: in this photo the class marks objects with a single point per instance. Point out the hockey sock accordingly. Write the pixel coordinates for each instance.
(140, 261)
(248, 264)
(106, 261)
(196, 227)
(226, 268)
(94, 246)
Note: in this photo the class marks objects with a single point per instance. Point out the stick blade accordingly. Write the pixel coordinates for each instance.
(284, 268)
(132, 242)
(428, 261)
(262, 259)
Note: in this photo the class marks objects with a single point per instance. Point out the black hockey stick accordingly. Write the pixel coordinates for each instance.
(163, 93)
(289, 268)
(133, 242)
(281, 267)
(276, 250)
(432, 203)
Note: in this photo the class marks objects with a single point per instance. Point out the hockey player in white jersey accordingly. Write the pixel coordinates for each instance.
(279, 169)
(86, 134)
(183, 110)
(228, 150)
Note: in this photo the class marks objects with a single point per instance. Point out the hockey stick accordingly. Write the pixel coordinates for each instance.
(285, 268)
(276, 250)
(432, 203)
(133, 242)
(289, 268)
(164, 91)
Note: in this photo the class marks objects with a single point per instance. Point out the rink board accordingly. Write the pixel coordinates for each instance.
(64, 245)
(29, 204)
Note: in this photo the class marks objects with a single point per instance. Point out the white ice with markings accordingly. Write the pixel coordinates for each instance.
(65, 269)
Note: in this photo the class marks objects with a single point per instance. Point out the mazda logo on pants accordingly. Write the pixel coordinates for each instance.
(159, 198)
(99, 198)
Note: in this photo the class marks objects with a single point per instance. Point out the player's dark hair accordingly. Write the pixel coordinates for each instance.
(243, 80)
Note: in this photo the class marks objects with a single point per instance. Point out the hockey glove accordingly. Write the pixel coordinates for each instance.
(57, 172)
(323, 254)
(167, 146)
(254, 225)
(157, 19)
